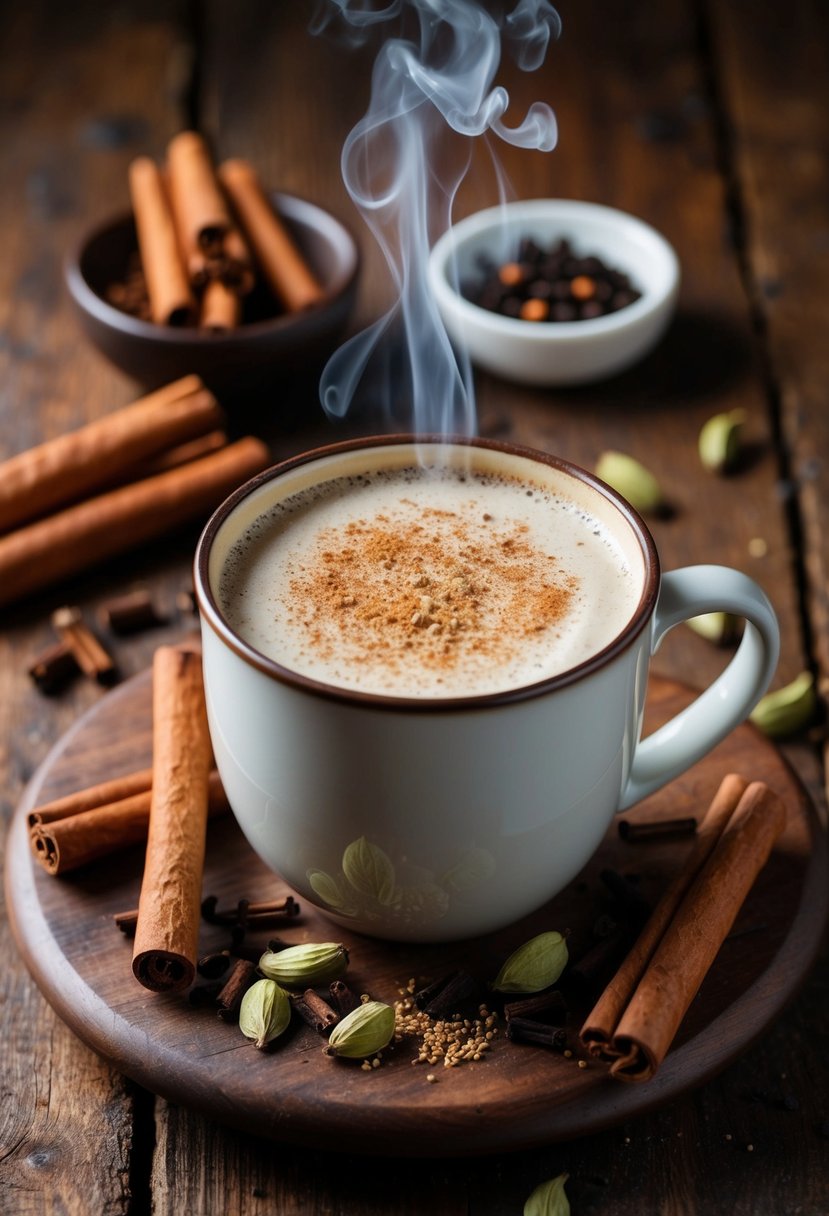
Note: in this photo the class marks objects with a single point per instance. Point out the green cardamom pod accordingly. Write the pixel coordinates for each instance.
(721, 628)
(306, 966)
(264, 1013)
(364, 1031)
(719, 441)
(787, 710)
(632, 480)
(534, 966)
(549, 1199)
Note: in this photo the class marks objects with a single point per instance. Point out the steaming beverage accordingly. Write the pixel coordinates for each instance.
(383, 622)
(429, 583)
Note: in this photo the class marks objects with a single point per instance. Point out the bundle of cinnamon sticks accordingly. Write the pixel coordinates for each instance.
(204, 236)
(116, 483)
(636, 1018)
(105, 818)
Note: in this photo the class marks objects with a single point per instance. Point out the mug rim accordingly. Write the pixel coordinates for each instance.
(212, 615)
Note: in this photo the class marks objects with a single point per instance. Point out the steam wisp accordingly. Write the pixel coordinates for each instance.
(437, 77)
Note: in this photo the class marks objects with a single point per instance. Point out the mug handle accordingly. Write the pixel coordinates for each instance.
(678, 744)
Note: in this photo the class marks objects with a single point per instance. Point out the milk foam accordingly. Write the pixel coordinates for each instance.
(428, 584)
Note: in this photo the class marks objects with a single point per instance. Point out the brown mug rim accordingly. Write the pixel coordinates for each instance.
(212, 616)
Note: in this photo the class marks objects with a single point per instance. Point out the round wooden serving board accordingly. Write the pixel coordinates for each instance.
(519, 1095)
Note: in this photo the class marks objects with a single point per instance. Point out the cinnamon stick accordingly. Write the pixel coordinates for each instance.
(182, 453)
(64, 469)
(78, 537)
(235, 265)
(166, 937)
(202, 217)
(221, 308)
(63, 845)
(171, 300)
(597, 1032)
(114, 790)
(288, 274)
(694, 935)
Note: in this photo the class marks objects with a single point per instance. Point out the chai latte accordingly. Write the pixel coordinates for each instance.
(428, 583)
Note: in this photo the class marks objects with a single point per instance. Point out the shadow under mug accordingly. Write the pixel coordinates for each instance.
(437, 819)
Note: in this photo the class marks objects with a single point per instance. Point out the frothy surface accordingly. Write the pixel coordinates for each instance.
(427, 584)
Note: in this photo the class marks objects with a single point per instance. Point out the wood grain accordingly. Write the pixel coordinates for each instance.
(71, 117)
(778, 96)
(641, 125)
(517, 1097)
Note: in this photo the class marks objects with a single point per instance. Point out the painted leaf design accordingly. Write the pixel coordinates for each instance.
(475, 867)
(369, 870)
(327, 889)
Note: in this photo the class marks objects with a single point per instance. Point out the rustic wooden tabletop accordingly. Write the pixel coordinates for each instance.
(709, 121)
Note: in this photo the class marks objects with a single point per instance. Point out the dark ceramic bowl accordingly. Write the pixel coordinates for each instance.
(259, 352)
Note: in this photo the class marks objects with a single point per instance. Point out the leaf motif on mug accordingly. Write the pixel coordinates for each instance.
(420, 904)
(369, 870)
(473, 868)
(329, 890)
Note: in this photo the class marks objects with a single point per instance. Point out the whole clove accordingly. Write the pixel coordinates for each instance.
(604, 925)
(344, 998)
(315, 1011)
(527, 1030)
(449, 996)
(54, 668)
(656, 829)
(91, 657)
(629, 899)
(130, 613)
(253, 951)
(201, 996)
(230, 996)
(250, 915)
(549, 1008)
(425, 995)
(212, 966)
(588, 974)
(126, 921)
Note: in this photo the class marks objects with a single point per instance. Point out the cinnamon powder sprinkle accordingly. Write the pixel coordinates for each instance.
(433, 589)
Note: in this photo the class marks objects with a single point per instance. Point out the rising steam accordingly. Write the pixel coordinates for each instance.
(440, 76)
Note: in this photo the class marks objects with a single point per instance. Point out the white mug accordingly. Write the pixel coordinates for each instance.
(436, 819)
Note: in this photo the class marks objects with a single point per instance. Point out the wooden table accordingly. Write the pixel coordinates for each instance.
(709, 121)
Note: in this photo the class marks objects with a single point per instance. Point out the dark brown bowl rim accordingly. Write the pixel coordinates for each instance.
(90, 302)
(212, 616)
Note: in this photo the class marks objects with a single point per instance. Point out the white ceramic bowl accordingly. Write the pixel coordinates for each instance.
(556, 352)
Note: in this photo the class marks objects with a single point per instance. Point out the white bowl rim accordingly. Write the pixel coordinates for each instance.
(593, 328)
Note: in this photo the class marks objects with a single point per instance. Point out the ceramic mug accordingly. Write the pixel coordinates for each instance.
(435, 819)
